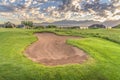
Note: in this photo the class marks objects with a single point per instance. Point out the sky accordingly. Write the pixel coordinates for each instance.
(56, 10)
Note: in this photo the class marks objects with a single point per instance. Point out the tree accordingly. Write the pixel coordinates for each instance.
(118, 26)
(51, 26)
(9, 25)
(27, 23)
(39, 27)
(97, 26)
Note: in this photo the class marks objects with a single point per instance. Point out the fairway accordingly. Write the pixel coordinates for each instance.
(102, 46)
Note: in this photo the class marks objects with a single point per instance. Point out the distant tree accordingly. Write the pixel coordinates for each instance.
(74, 27)
(118, 26)
(97, 26)
(9, 25)
(51, 26)
(39, 27)
(27, 23)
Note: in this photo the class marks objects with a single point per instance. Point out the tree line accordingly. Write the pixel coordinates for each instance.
(26, 25)
(29, 25)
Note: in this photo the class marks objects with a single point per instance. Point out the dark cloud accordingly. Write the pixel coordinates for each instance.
(62, 9)
(95, 5)
(6, 8)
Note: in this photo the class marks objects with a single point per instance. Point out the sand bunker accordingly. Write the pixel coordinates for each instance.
(51, 49)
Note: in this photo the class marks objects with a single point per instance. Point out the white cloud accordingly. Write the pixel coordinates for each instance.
(59, 10)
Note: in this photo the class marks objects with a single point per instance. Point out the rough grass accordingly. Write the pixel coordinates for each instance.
(104, 64)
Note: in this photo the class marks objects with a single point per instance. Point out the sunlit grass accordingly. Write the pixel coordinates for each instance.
(104, 53)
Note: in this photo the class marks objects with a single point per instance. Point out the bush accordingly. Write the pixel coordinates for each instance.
(51, 26)
(39, 27)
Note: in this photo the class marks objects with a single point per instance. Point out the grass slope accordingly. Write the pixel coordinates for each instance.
(105, 53)
(15, 66)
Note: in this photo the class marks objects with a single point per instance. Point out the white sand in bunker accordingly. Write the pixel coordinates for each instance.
(52, 50)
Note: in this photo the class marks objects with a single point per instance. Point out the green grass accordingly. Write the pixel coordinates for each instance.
(103, 46)
(105, 53)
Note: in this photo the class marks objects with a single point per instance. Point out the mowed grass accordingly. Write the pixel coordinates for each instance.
(105, 53)
(104, 65)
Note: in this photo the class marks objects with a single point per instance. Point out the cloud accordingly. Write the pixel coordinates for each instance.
(100, 11)
(6, 8)
(52, 10)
